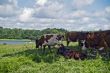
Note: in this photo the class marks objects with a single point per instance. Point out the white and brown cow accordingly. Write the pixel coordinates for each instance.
(48, 40)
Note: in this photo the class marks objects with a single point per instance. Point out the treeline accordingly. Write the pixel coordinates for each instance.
(7, 33)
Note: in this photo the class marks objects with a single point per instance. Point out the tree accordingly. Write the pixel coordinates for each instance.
(7, 33)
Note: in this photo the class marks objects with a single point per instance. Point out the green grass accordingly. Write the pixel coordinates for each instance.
(27, 59)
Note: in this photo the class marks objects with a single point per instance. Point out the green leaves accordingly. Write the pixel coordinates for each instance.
(7, 33)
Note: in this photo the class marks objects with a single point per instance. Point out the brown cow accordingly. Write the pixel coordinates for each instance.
(68, 53)
(75, 37)
(71, 37)
(99, 41)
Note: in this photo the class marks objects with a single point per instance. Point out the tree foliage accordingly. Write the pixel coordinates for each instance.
(8, 33)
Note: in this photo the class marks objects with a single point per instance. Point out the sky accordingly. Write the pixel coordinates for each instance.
(72, 15)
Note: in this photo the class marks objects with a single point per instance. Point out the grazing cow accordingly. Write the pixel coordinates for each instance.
(48, 40)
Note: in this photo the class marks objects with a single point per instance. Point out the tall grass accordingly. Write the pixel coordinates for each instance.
(27, 59)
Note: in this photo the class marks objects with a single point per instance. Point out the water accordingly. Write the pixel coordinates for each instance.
(15, 41)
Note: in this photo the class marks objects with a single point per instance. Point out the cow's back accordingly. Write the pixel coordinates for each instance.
(47, 37)
(71, 36)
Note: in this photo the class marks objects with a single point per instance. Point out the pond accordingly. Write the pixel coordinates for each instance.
(15, 41)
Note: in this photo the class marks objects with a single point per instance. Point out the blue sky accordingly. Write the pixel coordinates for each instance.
(78, 15)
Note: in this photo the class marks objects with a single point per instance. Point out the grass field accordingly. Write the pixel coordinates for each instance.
(26, 59)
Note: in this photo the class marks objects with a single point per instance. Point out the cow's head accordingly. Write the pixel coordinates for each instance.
(60, 37)
(82, 39)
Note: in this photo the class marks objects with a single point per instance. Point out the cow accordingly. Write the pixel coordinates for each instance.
(68, 53)
(71, 37)
(76, 55)
(48, 40)
(75, 37)
(98, 41)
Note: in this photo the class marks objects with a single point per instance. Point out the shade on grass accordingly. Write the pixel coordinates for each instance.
(27, 59)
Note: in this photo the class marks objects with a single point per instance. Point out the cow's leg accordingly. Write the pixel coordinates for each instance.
(36, 46)
(96, 51)
(79, 43)
(44, 48)
(49, 48)
(68, 43)
(108, 53)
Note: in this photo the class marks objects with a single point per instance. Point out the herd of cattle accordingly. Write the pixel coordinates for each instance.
(98, 40)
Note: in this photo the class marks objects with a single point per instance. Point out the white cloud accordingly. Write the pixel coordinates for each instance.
(82, 3)
(99, 14)
(106, 27)
(55, 9)
(107, 9)
(55, 14)
(8, 8)
(14, 3)
(41, 2)
(79, 13)
(52, 9)
(26, 15)
(86, 19)
(103, 13)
